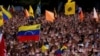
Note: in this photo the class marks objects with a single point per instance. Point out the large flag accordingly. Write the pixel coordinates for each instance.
(31, 11)
(2, 46)
(26, 13)
(49, 16)
(81, 15)
(95, 15)
(70, 8)
(8, 14)
(1, 19)
(38, 9)
(27, 33)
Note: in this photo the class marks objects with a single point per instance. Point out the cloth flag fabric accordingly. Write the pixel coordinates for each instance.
(69, 1)
(2, 46)
(95, 15)
(55, 13)
(8, 14)
(31, 11)
(44, 48)
(63, 47)
(49, 16)
(58, 52)
(5, 17)
(11, 8)
(26, 13)
(8, 8)
(59, 6)
(38, 10)
(27, 33)
(1, 19)
(81, 15)
(70, 8)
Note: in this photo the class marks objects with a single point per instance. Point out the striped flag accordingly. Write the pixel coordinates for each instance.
(8, 14)
(81, 15)
(27, 33)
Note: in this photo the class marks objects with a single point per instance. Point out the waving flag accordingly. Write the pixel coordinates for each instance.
(49, 16)
(38, 10)
(81, 15)
(95, 15)
(31, 11)
(11, 8)
(63, 47)
(55, 13)
(70, 8)
(8, 14)
(58, 52)
(26, 13)
(8, 8)
(59, 6)
(5, 17)
(1, 19)
(44, 48)
(27, 33)
(69, 1)
(2, 46)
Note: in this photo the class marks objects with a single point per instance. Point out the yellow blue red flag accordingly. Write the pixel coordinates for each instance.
(1, 19)
(27, 33)
(8, 14)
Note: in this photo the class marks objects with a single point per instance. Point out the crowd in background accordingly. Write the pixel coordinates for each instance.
(66, 36)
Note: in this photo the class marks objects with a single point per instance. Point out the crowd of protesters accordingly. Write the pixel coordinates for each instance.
(66, 36)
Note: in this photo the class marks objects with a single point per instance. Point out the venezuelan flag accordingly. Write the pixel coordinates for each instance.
(1, 19)
(5, 17)
(27, 33)
(8, 14)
